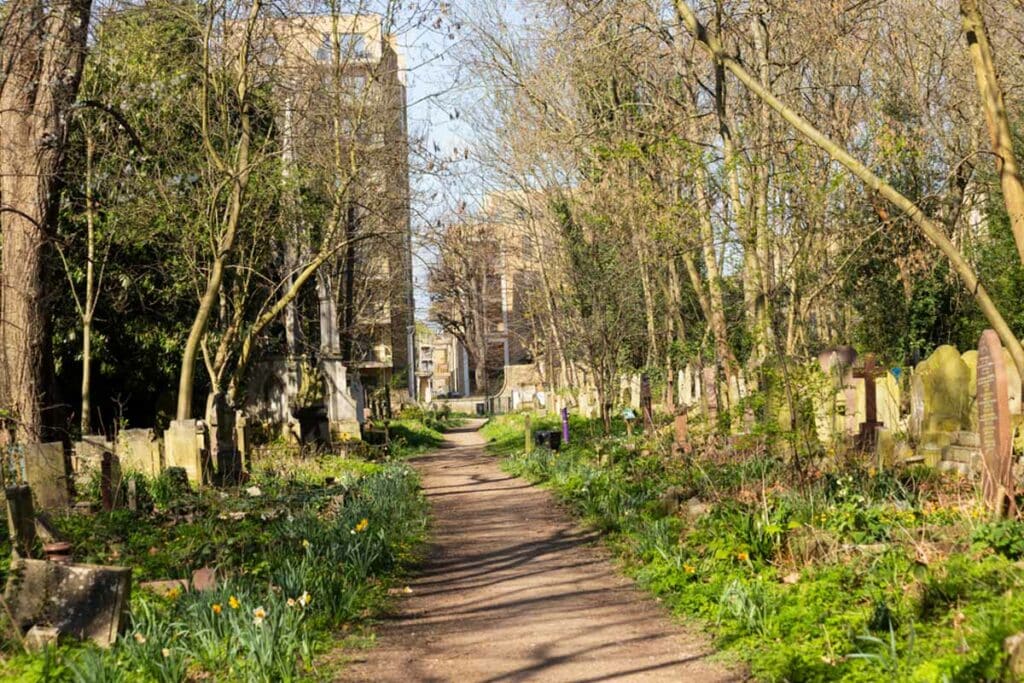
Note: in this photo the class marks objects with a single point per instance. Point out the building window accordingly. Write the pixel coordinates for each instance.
(350, 46)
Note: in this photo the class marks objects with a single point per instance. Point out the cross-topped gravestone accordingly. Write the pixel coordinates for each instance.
(994, 425)
(869, 428)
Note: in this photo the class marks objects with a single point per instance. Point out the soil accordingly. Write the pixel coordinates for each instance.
(513, 590)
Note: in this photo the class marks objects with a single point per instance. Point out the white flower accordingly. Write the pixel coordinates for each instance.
(304, 599)
(258, 615)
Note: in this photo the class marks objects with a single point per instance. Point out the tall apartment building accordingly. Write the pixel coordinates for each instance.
(339, 92)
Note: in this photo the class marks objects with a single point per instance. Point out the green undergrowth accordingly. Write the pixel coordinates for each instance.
(845, 574)
(303, 564)
(416, 430)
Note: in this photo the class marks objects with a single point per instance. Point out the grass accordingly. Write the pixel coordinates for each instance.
(304, 563)
(842, 574)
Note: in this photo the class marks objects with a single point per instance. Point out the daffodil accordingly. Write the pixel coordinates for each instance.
(140, 639)
(362, 526)
(258, 615)
(304, 599)
(233, 602)
(306, 544)
(216, 608)
(291, 602)
(689, 569)
(165, 652)
(742, 556)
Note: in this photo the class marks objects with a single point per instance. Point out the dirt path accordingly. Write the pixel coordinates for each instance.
(512, 590)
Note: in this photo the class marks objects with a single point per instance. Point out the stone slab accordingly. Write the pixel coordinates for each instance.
(87, 602)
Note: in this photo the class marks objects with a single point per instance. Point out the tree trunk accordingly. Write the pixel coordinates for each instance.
(239, 170)
(995, 118)
(932, 231)
(42, 49)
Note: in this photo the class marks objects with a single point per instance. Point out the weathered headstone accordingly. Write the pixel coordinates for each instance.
(46, 472)
(110, 482)
(184, 447)
(21, 521)
(994, 424)
(139, 450)
(83, 601)
(646, 403)
(87, 456)
(939, 400)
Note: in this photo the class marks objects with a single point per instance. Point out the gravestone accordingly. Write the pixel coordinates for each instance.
(565, 424)
(82, 601)
(939, 400)
(646, 403)
(46, 471)
(21, 520)
(635, 392)
(139, 450)
(87, 456)
(184, 448)
(994, 424)
(110, 482)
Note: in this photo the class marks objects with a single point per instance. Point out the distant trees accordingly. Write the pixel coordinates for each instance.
(706, 149)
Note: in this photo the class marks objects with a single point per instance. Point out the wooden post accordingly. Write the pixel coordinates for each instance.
(528, 428)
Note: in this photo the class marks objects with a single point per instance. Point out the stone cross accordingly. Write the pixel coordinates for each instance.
(994, 425)
(869, 428)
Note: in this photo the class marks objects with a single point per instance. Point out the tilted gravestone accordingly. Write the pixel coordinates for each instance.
(994, 424)
(46, 471)
(83, 601)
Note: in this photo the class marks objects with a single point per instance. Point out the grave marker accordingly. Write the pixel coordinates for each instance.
(83, 601)
(869, 428)
(994, 425)
(46, 472)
